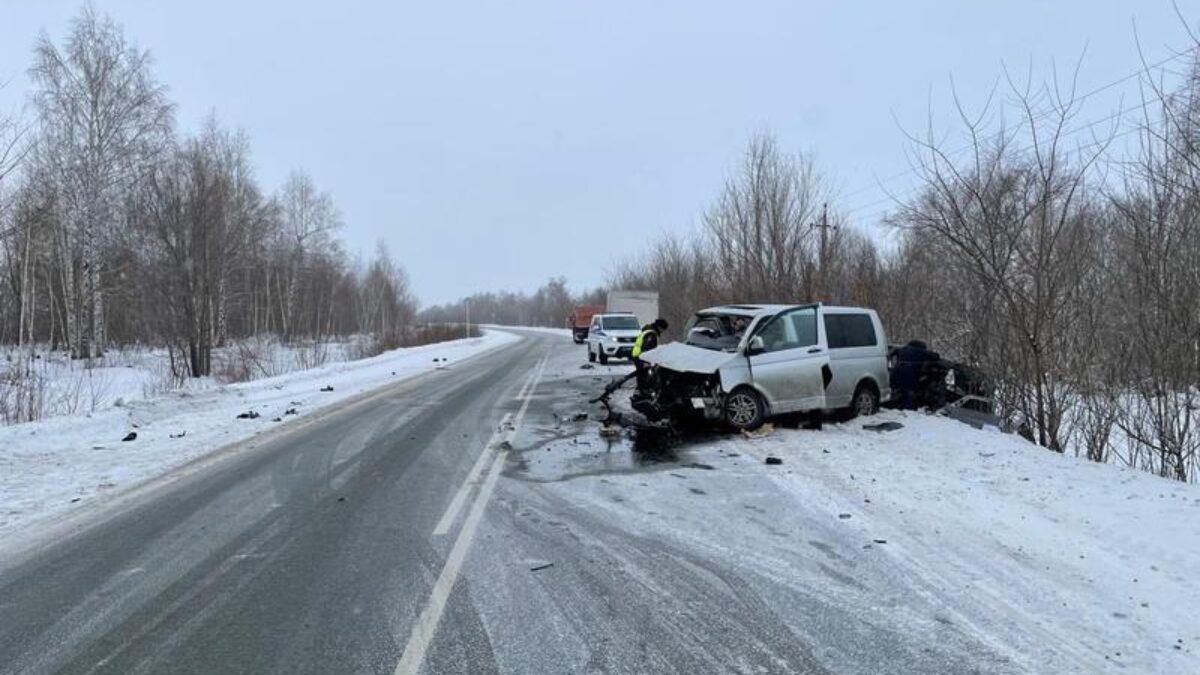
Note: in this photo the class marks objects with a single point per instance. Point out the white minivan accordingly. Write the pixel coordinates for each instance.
(745, 363)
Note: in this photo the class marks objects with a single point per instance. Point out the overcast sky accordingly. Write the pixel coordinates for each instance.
(493, 145)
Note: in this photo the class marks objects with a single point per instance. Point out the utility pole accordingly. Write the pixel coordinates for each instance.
(468, 317)
(823, 226)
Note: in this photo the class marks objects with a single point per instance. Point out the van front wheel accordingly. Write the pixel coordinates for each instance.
(744, 409)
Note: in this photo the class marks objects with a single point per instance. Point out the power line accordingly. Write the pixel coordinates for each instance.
(915, 188)
(1082, 97)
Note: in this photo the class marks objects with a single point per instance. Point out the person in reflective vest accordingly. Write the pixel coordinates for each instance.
(647, 340)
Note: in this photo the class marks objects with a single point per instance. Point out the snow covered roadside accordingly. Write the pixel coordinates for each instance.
(63, 463)
(1017, 558)
(563, 332)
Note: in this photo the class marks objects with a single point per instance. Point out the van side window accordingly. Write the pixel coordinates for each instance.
(846, 331)
(790, 330)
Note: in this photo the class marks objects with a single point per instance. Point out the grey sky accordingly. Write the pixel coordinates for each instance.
(494, 145)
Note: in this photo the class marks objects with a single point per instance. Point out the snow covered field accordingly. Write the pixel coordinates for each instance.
(1053, 564)
(71, 461)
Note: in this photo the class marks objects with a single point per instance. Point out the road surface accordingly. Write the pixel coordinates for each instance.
(419, 531)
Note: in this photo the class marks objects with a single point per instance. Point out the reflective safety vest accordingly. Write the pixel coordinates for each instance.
(637, 345)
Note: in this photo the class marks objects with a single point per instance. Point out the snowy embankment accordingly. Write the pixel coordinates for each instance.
(62, 463)
(1029, 560)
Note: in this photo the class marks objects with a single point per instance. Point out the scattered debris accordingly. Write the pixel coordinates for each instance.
(505, 445)
(131, 436)
(76, 499)
(291, 411)
(883, 426)
(579, 416)
(879, 541)
(764, 430)
(696, 490)
(985, 455)
(586, 366)
(250, 415)
(535, 565)
(610, 431)
(277, 419)
(771, 459)
(341, 499)
(843, 516)
(328, 387)
(699, 465)
(178, 435)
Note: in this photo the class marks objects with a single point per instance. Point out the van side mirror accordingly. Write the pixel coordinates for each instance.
(756, 346)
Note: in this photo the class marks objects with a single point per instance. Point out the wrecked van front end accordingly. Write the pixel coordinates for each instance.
(688, 382)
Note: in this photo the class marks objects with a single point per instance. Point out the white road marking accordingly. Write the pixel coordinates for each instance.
(472, 479)
(426, 626)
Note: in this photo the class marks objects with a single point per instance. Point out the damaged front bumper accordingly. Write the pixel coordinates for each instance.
(672, 395)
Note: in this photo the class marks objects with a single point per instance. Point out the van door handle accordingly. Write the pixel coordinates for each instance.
(814, 350)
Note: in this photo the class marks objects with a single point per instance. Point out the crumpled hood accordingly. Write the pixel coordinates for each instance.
(685, 358)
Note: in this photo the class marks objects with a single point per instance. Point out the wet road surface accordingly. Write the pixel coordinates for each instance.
(431, 528)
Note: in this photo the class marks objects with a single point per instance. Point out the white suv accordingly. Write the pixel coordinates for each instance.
(611, 336)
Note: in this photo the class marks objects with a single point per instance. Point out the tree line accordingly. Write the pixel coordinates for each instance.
(116, 227)
(1061, 259)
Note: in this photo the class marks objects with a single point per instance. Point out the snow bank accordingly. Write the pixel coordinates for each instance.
(1014, 556)
(62, 463)
(564, 332)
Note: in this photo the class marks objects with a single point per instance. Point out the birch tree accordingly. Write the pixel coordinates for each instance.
(103, 118)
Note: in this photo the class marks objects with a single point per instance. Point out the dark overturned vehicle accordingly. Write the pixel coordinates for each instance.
(746, 363)
(922, 379)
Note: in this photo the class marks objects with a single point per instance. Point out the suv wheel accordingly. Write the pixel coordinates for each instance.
(865, 402)
(591, 354)
(602, 356)
(744, 409)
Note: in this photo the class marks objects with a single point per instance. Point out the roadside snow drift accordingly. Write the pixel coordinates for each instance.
(1012, 557)
(58, 464)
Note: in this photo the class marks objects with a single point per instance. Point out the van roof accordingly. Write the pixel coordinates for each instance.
(757, 310)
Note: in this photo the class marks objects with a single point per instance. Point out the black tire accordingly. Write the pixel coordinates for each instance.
(744, 409)
(865, 402)
(591, 354)
(603, 356)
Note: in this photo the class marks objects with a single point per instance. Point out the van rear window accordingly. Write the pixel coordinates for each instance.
(845, 331)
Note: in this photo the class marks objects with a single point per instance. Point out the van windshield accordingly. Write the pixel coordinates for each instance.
(620, 323)
(719, 332)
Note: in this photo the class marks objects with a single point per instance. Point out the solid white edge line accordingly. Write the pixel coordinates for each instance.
(426, 625)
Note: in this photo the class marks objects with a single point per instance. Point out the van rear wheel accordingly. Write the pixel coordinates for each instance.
(865, 402)
(744, 409)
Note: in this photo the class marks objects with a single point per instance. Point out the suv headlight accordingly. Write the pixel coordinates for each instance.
(613, 338)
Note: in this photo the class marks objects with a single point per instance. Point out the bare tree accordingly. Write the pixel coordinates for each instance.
(758, 230)
(308, 219)
(102, 118)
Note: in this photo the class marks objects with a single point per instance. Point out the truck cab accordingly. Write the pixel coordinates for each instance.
(611, 336)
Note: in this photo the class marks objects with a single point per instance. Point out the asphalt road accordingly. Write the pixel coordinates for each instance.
(408, 533)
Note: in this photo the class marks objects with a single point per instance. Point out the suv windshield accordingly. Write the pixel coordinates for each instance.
(719, 332)
(620, 323)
